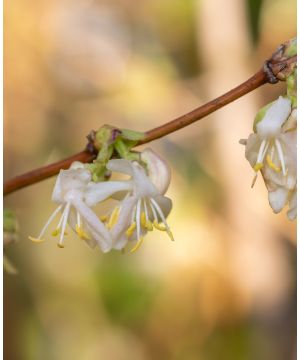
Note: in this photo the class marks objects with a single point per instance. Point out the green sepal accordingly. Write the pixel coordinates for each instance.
(108, 140)
(132, 135)
(123, 148)
(291, 83)
(99, 171)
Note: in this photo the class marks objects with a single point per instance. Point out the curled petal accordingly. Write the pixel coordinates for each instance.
(276, 115)
(158, 169)
(97, 192)
(278, 199)
(97, 228)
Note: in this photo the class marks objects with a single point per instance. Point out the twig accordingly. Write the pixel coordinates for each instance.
(258, 79)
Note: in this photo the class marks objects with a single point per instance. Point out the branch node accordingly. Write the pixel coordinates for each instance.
(268, 71)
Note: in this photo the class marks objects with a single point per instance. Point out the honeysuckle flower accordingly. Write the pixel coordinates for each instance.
(272, 150)
(143, 206)
(69, 194)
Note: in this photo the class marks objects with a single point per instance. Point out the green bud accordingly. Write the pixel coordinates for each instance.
(290, 48)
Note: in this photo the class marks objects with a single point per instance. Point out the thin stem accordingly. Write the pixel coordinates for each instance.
(249, 85)
(258, 79)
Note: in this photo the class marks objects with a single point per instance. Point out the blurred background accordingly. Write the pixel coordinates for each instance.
(225, 289)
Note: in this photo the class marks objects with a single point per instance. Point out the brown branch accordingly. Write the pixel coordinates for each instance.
(260, 78)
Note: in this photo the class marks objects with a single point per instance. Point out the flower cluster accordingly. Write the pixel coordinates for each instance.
(141, 204)
(272, 151)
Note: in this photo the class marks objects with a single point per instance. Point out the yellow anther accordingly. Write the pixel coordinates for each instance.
(57, 231)
(113, 217)
(272, 165)
(143, 219)
(149, 225)
(35, 240)
(163, 228)
(81, 233)
(137, 245)
(158, 226)
(61, 246)
(103, 218)
(258, 166)
(131, 229)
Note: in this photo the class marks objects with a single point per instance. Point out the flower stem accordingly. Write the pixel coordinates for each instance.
(276, 66)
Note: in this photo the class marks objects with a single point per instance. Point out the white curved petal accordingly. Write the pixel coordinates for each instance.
(143, 186)
(97, 228)
(158, 170)
(252, 148)
(124, 220)
(278, 199)
(121, 166)
(70, 180)
(96, 192)
(276, 115)
(165, 204)
(292, 213)
(77, 165)
(57, 191)
(73, 222)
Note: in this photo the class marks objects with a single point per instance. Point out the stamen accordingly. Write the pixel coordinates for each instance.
(154, 213)
(78, 219)
(258, 166)
(131, 229)
(163, 218)
(254, 180)
(35, 240)
(65, 216)
(48, 222)
(137, 245)
(57, 230)
(158, 226)
(265, 151)
(261, 155)
(272, 165)
(281, 156)
(113, 217)
(138, 219)
(143, 219)
(261, 151)
(81, 233)
(148, 224)
(103, 218)
(272, 152)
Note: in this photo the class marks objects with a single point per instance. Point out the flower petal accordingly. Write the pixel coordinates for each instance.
(96, 227)
(276, 115)
(158, 170)
(278, 199)
(121, 166)
(97, 192)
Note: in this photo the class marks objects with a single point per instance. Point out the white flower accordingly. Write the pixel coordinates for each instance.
(69, 193)
(143, 205)
(272, 150)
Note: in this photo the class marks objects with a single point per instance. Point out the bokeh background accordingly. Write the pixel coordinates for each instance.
(225, 289)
